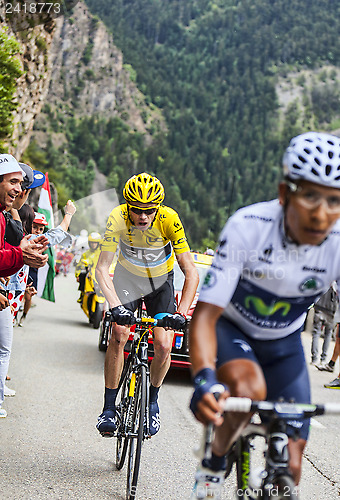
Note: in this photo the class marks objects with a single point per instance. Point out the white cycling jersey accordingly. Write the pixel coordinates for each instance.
(264, 281)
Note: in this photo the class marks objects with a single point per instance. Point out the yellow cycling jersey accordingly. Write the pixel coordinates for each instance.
(147, 253)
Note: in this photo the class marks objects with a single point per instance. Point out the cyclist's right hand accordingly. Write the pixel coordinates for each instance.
(204, 402)
(122, 316)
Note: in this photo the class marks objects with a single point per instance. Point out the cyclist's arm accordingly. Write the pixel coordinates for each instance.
(191, 280)
(203, 351)
(104, 279)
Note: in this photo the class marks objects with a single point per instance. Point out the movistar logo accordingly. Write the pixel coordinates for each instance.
(265, 310)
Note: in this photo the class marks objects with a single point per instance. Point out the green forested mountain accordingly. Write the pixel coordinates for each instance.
(212, 67)
(216, 69)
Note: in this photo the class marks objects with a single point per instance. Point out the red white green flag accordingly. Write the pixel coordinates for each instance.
(46, 274)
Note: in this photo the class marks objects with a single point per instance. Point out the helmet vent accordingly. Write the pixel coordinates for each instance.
(315, 172)
(328, 169)
(330, 154)
(296, 166)
(319, 149)
(317, 161)
(307, 151)
(331, 143)
(302, 159)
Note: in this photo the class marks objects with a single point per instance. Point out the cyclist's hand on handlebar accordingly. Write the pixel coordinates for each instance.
(122, 316)
(205, 403)
(175, 321)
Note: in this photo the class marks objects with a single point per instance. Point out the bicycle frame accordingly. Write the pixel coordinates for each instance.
(137, 358)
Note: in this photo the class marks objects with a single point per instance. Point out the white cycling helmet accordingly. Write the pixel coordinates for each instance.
(314, 157)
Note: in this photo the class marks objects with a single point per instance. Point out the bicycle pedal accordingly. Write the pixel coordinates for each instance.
(107, 434)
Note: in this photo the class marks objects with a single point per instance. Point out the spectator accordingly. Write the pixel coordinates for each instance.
(55, 236)
(12, 258)
(329, 367)
(324, 313)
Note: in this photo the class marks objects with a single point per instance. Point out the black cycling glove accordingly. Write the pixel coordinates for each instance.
(174, 321)
(205, 381)
(122, 316)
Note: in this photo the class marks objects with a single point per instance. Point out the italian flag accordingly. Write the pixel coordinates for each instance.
(46, 274)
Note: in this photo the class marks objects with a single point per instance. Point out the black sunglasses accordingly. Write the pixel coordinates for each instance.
(147, 211)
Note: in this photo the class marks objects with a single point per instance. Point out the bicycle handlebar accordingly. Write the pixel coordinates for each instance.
(281, 409)
(160, 322)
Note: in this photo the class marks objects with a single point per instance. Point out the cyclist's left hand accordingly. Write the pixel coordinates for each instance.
(205, 403)
(175, 321)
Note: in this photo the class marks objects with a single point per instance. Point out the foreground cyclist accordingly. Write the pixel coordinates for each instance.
(149, 235)
(274, 259)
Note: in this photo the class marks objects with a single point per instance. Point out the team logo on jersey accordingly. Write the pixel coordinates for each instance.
(177, 226)
(266, 255)
(266, 310)
(151, 240)
(209, 280)
(312, 283)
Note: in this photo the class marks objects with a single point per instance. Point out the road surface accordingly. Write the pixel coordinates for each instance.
(50, 448)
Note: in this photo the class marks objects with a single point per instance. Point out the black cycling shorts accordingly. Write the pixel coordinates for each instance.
(282, 362)
(158, 293)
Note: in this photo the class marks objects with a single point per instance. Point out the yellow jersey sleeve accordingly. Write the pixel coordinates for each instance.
(116, 224)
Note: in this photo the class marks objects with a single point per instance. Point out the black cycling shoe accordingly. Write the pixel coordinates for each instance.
(107, 423)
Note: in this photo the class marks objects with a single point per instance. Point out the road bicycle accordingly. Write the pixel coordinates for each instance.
(273, 479)
(132, 403)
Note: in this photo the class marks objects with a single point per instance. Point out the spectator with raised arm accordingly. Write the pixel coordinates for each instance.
(12, 258)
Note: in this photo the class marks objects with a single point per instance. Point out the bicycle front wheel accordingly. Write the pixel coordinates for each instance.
(124, 413)
(135, 445)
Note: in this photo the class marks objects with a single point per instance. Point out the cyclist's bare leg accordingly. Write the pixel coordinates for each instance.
(295, 457)
(161, 361)
(244, 379)
(114, 359)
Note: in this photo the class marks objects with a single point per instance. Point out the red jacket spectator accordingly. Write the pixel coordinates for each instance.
(11, 259)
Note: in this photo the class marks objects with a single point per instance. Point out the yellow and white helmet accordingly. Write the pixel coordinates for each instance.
(94, 237)
(144, 188)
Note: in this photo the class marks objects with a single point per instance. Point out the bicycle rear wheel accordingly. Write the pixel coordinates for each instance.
(124, 412)
(135, 443)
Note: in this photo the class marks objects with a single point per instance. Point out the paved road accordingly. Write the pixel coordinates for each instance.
(51, 449)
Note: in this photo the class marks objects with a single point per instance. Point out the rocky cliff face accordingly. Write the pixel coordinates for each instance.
(88, 76)
(33, 84)
(72, 64)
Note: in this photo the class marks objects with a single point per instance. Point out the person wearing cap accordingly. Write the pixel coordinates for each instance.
(55, 236)
(273, 261)
(12, 258)
(32, 179)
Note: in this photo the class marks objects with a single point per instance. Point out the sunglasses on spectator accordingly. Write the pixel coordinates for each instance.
(139, 210)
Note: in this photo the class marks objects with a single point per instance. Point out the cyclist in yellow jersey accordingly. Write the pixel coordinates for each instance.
(148, 236)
